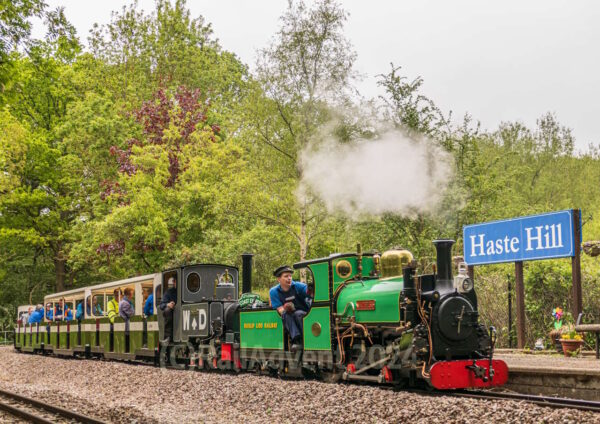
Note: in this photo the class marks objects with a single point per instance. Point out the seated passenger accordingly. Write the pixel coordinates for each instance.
(126, 309)
(37, 315)
(49, 313)
(79, 311)
(113, 306)
(167, 304)
(88, 309)
(62, 312)
(149, 305)
(25, 315)
(289, 299)
(95, 309)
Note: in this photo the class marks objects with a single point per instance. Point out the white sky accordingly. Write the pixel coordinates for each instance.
(499, 61)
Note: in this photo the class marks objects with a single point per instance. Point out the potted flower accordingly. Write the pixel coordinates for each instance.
(571, 343)
(555, 334)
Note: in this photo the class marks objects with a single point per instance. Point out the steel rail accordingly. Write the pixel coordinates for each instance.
(64, 413)
(20, 413)
(553, 402)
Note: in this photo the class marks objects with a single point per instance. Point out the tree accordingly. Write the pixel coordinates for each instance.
(409, 109)
(29, 225)
(163, 50)
(304, 73)
(172, 181)
(15, 27)
(39, 210)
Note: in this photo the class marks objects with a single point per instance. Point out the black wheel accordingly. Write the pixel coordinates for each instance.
(163, 356)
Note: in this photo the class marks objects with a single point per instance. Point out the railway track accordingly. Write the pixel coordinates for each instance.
(553, 402)
(548, 401)
(36, 411)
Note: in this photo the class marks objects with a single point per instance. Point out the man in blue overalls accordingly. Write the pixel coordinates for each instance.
(289, 299)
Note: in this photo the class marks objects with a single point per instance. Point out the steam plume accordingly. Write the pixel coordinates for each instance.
(393, 173)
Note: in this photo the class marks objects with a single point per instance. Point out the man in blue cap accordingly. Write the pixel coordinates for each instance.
(289, 299)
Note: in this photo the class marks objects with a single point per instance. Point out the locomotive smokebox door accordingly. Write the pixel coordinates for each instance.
(194, 320)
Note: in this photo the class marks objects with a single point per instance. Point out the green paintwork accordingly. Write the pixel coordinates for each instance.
(38, 338)
(119, 337)
(62, 344)
(152, 335)
(320, 315)
(23, 338)
(52, 335)
(320, 273)
(367, 268)
(253, 333)
(73, 335)
(385, 293)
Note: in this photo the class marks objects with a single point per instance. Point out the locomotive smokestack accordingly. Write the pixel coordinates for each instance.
(247, 272)
(444, 259)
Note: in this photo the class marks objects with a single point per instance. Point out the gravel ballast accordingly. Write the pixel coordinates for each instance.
(120, 392)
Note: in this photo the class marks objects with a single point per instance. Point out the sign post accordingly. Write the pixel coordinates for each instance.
(520, 298)
(576, 266)
(510, 338)
(545, 236)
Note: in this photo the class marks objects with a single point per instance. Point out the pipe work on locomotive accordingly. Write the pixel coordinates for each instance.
(372, 319)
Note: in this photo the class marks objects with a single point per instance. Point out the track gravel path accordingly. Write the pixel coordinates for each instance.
(124, 393)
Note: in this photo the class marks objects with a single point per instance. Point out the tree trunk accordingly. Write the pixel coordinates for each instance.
(60, 271)
(303, 243)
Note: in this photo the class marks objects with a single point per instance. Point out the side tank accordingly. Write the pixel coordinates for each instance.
(371, 301)
(376, 300)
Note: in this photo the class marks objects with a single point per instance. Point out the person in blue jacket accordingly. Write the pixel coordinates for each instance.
(62, 312)
(37, 315)
(49, 313)
(88, 309)
(289, 299)
(79, 311)
(94, 308)
(149, 305)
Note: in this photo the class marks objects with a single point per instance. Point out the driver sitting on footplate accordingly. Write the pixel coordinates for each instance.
(289, 299)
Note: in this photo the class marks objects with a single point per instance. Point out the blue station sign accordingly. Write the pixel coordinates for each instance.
(544, 236)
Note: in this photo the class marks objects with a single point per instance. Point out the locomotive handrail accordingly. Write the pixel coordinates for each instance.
(345, 309)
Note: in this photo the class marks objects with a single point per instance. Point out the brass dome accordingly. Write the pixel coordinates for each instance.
(393, 261)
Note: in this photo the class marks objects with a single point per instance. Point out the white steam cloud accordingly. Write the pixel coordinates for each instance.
(391, 174)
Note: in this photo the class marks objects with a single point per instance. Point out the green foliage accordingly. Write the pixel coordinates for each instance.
(15, 27)
(165, 49)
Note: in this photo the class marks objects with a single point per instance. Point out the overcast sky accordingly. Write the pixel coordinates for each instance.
(499, 61)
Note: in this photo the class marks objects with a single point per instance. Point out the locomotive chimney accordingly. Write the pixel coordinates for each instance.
(444, 259)
(247, 272)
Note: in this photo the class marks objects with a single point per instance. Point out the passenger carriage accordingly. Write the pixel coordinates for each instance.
(94, 334)
(21, 328)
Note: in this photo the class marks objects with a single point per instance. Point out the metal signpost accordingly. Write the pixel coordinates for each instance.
(545, 236)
